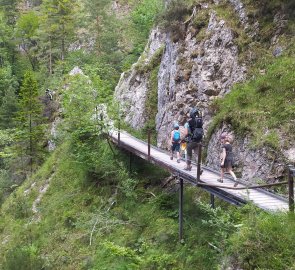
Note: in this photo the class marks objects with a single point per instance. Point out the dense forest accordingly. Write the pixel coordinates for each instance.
(68, 199)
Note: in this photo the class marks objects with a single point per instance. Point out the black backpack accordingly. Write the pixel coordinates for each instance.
(196, 127)
(199, 122)
(197, 134)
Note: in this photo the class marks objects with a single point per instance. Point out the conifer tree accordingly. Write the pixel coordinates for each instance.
(29, 119)
(8, 108)
(56, 29)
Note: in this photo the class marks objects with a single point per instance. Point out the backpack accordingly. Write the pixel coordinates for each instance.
(176, 136)
(199, 122)
(196, 127)
(197, 134)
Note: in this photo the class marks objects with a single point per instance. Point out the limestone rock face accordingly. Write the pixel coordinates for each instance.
(193, 73)
(132, 88)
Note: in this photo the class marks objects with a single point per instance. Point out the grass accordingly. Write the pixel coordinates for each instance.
(89, 222)
(262, 107)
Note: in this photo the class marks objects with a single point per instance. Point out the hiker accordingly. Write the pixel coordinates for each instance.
(175, 142)
(226, 158)
(194, 133)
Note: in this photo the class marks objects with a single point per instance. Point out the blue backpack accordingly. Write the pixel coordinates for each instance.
(176, 136)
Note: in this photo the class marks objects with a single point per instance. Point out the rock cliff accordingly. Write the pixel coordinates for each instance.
(195, 68)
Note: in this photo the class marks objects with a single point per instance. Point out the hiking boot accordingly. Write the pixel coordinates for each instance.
(178, 160)
(188, 168)
(171, 158)
(220, 180)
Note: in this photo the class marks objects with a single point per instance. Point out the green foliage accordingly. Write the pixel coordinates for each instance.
(143, 16)
(19, 207)
(57, 30)
(270, 234)
(79, 102)
(143, 66)
(23, 258)
(265, 101)
(29, 119)
(8, 101)
(173, 16)
(26, 30)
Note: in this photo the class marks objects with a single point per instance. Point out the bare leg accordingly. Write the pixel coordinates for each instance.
(232, 173)
(221, 175)
(178, 155)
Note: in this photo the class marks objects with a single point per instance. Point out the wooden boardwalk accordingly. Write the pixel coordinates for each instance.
(261, 198)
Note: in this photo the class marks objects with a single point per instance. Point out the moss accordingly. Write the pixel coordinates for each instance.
(201, 20)
(142, 67)
(151, 103)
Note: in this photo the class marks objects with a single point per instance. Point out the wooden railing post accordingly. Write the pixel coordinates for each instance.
(199, 162)
(291, 188)
(180, 215)
(149, 144)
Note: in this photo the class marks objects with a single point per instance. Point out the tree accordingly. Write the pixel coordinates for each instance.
(57, 29)
(30, 120)
(26, 29)
(8, 108)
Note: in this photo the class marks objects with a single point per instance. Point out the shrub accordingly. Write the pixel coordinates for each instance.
(23, 258)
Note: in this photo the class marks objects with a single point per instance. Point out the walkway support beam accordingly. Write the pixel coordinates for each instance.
(180, 209)
(291, 175)
(212, 201)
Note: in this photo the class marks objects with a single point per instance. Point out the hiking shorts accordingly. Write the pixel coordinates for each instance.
(175, 147)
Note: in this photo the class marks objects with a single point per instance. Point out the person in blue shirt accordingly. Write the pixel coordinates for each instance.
(175, 142)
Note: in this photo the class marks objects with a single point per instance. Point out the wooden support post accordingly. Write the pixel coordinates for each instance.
(149, 144)
(119, 129)
(291, 188)
(180, 209)
(199, 162)
(130, 162)
(212, 200)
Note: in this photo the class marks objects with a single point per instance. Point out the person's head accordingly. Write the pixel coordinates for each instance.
(176, 126)
(223, 137)
(229, 138)
(194, 112)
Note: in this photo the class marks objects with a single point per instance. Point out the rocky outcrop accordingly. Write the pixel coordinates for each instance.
(131, 91)
(193, 72)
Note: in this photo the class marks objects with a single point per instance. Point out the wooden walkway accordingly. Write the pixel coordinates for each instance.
(261, 198)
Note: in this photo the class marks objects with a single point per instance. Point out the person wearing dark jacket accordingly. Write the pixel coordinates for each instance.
(193, 139)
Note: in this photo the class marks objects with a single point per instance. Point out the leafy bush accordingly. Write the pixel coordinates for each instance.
(23, 258)
(271, 234)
